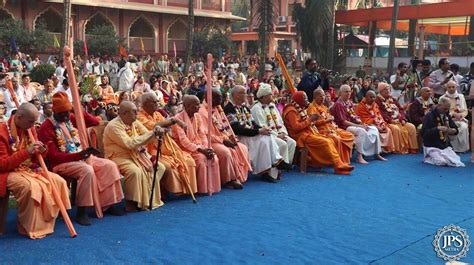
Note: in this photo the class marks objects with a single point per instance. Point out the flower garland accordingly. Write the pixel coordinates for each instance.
(443, 122)
(350, 110)
(304, 115)
(379, 122)
(244, 117)
(134, 131)
(17, 145)
(390, 107)
(66, 145)
(271, 116)
(221, 124)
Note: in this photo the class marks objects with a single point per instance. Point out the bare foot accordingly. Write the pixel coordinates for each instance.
(381, 158)
(361, 160)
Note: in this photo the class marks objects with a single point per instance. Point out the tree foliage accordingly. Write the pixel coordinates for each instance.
(102, 40)
(211, 41)
(42, 72)
(265, 16)
(313, 23)
(27, 40)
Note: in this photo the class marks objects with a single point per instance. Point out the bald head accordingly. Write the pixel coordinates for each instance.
(26, 116)
(370, 97)
(216, 97)
(191, 104)
(319, 96)
(127, 112)
(149, 102)
(345, 92)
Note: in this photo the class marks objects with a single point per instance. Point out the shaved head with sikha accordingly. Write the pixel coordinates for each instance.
(26, 116)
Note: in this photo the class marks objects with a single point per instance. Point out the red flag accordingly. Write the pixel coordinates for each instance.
(123, 52)
(86, 52)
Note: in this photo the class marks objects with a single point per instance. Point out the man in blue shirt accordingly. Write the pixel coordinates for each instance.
(310, 80)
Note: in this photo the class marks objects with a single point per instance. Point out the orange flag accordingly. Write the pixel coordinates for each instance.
(123, 52)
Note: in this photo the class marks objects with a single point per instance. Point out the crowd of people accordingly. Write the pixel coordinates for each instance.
(155, 127)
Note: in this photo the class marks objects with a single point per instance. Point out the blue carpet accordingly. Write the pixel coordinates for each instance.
(384, 213)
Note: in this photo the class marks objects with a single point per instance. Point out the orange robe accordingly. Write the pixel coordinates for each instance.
(321, 150)
(343, 139)
(107, 94)
(232, 162)
(37, 210)
(371, 115)
(178, 163)
(190, 140)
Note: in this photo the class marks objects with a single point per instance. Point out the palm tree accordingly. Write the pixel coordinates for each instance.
(264, 14)
(189, 36)
(66, 27)
(315, 25)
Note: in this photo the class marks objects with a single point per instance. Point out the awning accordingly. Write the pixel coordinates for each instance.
(153, 9)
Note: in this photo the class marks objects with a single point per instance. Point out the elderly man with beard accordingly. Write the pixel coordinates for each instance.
(266, 114)
(99, 178)
(261, 143)
(438, 126)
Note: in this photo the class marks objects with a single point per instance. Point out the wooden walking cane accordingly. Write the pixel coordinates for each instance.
(155, 168)
(285, 73)
(81, 124)
(45, 171)
(209, 119)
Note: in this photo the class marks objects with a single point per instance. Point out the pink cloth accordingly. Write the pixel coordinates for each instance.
(190, 141)
(101, 172)
(231, 164)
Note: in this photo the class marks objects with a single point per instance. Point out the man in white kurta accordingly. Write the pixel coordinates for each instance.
(458, 111)
(263, 150)
(266, 114)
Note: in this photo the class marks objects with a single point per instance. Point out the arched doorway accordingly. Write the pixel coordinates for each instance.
(176, 35)
(4, 15)
(52, 21)
(97, 20)
(141, 31)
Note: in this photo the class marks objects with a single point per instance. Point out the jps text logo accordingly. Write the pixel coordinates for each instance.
(451, 243)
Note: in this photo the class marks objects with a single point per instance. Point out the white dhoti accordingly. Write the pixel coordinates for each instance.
(460, 141)
(441, 157)
(263, 152)
(367, 142)
(287, 149)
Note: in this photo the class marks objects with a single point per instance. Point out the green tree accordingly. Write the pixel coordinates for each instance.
(315, 24)
(102, 40)
(26, 40)
(210, 41)
(265, 14)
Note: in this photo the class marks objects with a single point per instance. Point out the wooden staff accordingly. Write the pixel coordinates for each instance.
(150, 205)
(45, 171)
(81, 124)
(184, 179)
(209, 119)
(285, 73)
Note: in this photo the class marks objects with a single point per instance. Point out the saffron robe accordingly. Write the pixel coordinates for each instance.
(98, 177)
(190, 140)
(127, 151)
(232, 162)
(370, 115)
(344, 140)
(37, 210)
(178, 163)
